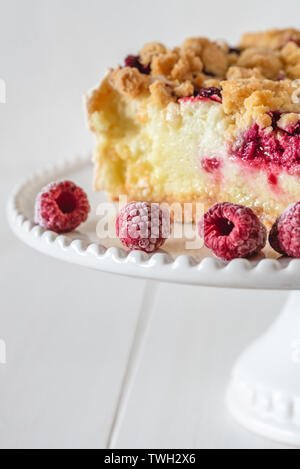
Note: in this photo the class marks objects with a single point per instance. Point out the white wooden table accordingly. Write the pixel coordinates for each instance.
(69, 334)
(69, 331)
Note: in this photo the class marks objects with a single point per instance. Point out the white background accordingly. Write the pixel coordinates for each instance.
(68, 330)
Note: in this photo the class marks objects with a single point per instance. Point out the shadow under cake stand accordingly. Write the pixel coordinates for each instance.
(264, 392)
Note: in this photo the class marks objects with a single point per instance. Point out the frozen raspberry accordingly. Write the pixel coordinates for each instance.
(134, 61)
(285, 233)
(143, 226)
(61, 206)
(232, 231)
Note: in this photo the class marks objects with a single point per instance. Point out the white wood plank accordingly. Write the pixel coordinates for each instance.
(134, 358)
(195, 336)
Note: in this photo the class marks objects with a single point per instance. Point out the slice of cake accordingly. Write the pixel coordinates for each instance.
(204, 123)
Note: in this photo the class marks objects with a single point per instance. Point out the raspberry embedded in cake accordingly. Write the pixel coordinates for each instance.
(261, 148)
(205, 94)
(211, 165)
(203, 122)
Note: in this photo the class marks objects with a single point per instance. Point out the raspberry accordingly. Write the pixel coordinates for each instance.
(211, 93)
(134, 61)
(204, 94)
(261, 149)
(285, 233)
(61, 206)
(143, 226)
(210, 165)
(232, 231)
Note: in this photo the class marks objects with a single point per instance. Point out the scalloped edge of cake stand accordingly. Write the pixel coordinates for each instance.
(283, 274)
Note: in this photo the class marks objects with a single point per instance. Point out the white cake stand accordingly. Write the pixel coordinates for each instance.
(264, 393)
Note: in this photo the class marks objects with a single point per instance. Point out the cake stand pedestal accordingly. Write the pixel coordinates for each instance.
(264, 392)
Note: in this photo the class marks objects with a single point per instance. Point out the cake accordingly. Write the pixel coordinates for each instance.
(202, 123)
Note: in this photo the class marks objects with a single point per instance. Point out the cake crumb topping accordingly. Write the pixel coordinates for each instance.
(236, 72)
(129, 81)
(267, 61)
(161, 93)
(290, 56)
(150, 50)
(254, 78)
(271, 39)
(251, 98)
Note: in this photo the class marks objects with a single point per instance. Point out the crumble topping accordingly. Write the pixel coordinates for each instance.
(290, 56)
(272, 39)
(150, 50)
(161, 93)
(264, 121)
(236, 72)
(129, 81)
(163, 64)
(250, 99)
(266, 61)
(287, 119)
(254, 78)
(184, 89)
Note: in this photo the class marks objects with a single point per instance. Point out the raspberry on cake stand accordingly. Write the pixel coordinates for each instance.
(264, 392)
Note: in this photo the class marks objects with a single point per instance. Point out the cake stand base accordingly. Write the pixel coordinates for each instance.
(264, 393)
